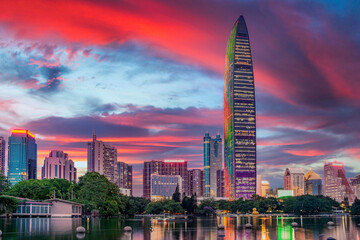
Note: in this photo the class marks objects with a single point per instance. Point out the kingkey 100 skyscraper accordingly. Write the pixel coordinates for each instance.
(239, 116)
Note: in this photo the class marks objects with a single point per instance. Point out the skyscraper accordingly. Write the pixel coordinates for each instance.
(124, 176)
(239, 115)
(294, 180)
(2, 155)
(313, 183)
(220, 184)
(336, 185)
(101, 158)
(150, 167)
(196, 182)
(57, 165)
(212, 163)
(22, 156)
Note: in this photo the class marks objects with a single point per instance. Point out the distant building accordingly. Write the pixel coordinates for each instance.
(57, 165)
(164, 186)
(220, 183)
(265, 186)
(336, 185)
(22, 156)
(212, 163)
(165, 167)
(294, 180)
(124, 177)
(101, 158)
(2, 155)
(313, 183)
(355, 183)
(285, 193)
(126, 191)
(196, 180)
(258, 184)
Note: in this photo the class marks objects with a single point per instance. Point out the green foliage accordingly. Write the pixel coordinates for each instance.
(189, 204)
(139, 204)
(169, 206)
(8, 204)
(355, 208)
(176, 195)
(308, 204)
(4, 183)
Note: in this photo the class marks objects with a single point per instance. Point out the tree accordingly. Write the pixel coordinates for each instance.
(355, 207)
(176, 195)
(4, 183)
(189, 204)
(8, 204)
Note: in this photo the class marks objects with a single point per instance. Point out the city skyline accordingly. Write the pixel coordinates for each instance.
(152, 86)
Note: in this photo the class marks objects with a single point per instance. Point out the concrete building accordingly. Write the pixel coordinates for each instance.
(164, 186)
(57, 165)
(313, 183)
(124, 177)
(220, 183)
(355, 183)
(265, 186)
(150, 167)
(22, 156)
(196, 180)
(2, 155)
(258, 184)
(336, 185)
(212, 163)
(294, 180)
(101, 158)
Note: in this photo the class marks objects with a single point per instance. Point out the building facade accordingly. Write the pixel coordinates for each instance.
(355, 183)
(212, 162)
(124, 177)
(150, 167)
(2, 155)
(58, 165)
(294, 180)
(265, 186)
(239, 115)
(22, 156)
(336, 185)
(101, 158)
(196, 180)
(313, 183)
(164, 186)
(220, 183)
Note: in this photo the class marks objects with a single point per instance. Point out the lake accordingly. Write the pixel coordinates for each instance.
(264, 228)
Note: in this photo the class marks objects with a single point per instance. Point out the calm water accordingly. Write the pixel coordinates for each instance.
(201, 228)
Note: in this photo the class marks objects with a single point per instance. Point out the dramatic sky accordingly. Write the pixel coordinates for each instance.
(148, 77)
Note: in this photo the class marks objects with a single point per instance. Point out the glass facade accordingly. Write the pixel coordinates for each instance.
(239, 116)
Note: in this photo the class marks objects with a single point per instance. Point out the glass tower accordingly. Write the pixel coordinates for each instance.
(239, 116)
(22, 156)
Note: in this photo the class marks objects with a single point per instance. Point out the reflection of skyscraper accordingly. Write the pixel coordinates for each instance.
(2, 155)
(239, 115)
(22, 156)
(212, 163)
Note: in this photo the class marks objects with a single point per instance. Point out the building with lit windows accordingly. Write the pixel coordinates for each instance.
(101, 158)
(355, 183)
(58, 165)
(313, 183)
(22, 156)
(220, 183)
(336, 185)
(2, 155)
(196, 180)
(239, 115)
(294, 180)
(212, 163)
(164, 186)
(124, 177)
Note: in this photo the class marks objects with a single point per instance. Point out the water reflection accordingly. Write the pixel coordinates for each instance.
(264, 228)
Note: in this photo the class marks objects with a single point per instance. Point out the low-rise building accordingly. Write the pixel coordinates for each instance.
(164, 186)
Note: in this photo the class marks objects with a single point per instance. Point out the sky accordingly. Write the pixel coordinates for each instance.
(147, 76)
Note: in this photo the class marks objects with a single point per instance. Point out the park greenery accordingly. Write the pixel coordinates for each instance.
(99, 195)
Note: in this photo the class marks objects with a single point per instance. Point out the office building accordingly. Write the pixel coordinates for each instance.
(196, 180)
(294, 180)
(150, 167)
(2, 155)
(313, 183)
(164, 186)
(336, 185)
(22, 156)
(265, 186)
(212, 162)
(355, 183)
(58, 165)
(239, 115)
(258, 184)
(101, 158)
(124, 177)
(220, 183)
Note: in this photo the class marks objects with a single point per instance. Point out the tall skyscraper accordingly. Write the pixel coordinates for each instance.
(313, 183)
(2, 155)
(22, 156)
(150, 167)
(196, 180)
(336, 185)
(58, 165)
(239, 115)
(124, 176)
(101, 158)
(212, 163)
(220, 183)
(294, 180)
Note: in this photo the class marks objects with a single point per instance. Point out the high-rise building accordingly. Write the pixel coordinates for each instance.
(265, 186)
(336, 185)
(220, 183)
(22, 156)
(164, 186)
(58, 165)
(294, 180)
(165, 167)
(258, 184)
(212, 162)
(239, 115)
(124, 176)
(313, 183)
(2, 155)
(196, 180)
(101, 158)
